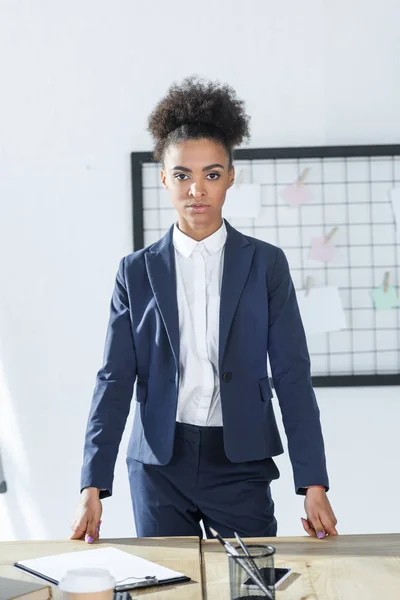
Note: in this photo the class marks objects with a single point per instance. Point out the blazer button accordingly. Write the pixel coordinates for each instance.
(227, 376)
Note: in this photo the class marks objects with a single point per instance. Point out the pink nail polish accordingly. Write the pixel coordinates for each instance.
(321, 535)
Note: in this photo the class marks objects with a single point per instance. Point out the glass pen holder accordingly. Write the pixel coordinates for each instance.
(261, 564)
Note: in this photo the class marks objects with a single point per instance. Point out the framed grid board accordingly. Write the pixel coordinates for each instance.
(350, 191)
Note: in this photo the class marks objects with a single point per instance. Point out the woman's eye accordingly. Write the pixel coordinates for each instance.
(184, 177)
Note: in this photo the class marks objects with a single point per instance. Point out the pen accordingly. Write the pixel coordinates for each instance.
(231, 551)
(227, 545)
(140, 582)
(247, 553)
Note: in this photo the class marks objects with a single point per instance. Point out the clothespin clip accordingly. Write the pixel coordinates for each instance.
(330, 235)
(386, 282)
(303, 175)
(309, 284)
(240, 177)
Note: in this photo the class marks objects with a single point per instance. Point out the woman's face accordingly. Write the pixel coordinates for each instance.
(197, 175)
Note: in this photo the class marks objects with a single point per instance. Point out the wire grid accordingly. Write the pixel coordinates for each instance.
(350, 193)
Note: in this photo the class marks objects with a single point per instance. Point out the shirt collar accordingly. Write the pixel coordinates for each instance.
(186, 245)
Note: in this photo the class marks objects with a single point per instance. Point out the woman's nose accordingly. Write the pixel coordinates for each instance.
(196, 190)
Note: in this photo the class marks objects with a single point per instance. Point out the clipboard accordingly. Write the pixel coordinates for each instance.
(130, 571)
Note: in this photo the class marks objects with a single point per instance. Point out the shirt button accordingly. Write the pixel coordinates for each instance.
(227, 376)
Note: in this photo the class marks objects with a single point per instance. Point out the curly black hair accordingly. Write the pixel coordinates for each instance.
(197, 109)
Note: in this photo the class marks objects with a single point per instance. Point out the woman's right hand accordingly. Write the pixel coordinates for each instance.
(86, 525)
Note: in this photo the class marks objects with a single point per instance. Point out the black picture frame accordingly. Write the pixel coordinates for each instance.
(138, 159)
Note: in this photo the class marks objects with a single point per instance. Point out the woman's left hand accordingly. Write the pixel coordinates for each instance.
(321, 520)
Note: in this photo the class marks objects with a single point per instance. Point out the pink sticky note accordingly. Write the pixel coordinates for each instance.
(322, 251)
(296, 194)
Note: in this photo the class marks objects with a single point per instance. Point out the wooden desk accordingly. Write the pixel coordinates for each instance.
(180, 554)
(365, 567)
(349, 567)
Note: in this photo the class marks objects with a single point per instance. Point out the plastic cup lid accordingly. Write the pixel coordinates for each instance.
(82, 581)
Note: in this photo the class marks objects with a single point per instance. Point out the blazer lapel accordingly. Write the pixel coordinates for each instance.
(160, 264)
(237, 262)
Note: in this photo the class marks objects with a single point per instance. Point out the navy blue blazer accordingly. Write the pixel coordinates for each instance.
(258, 315)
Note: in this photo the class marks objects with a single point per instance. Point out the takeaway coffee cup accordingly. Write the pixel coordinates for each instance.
(87, 584)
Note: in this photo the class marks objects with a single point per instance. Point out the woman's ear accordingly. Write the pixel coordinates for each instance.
(231, 176)
(163, 177)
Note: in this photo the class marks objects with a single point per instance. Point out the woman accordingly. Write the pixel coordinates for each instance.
(193, 317)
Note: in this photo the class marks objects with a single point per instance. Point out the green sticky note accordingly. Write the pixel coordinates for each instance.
(385, 300)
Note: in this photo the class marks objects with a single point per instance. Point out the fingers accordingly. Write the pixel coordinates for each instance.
(330, 523)
(318, 527)
(320, 515)
(78, 530)
(314, 523)
(92, 531)
(98, 530)
(307, 528)
(87, 530)
(328, 520)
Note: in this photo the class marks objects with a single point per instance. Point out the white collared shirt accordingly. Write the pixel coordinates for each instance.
(199, 267)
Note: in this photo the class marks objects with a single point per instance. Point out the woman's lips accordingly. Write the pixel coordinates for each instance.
(198, 208)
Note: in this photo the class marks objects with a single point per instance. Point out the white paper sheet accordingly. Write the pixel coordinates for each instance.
(321, 311)
(395, 198)
(243, 200)
(121, 565)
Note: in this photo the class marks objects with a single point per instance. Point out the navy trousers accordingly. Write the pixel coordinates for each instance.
(201, 483)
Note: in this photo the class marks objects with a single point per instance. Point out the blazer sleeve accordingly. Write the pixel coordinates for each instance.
(290, 365)
(112, 395)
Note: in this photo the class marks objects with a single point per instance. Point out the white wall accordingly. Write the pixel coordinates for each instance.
(78, 80)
